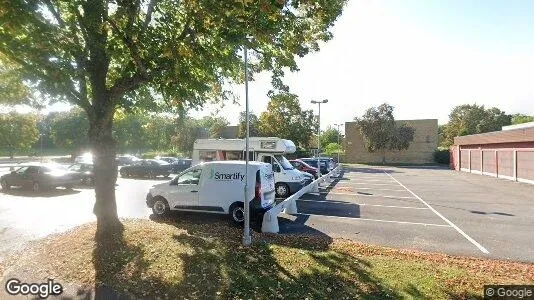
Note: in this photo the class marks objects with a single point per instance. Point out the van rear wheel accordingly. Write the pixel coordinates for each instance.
(282, 190)
(160, 206)
(237, 213)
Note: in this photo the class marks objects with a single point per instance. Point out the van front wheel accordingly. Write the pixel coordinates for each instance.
(282, 190)
(237, 213)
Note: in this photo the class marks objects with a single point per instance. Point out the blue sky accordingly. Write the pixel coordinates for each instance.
(423, 57)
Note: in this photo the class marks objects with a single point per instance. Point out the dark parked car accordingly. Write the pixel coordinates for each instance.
(177, 164)
(181, 164)
(304, 167)
(313, 162)
(168, 159)
(39, 177)
(85, 171)
(147, 168)
(125, 160)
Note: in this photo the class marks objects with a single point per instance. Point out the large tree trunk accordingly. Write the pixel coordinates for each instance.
(105, 171)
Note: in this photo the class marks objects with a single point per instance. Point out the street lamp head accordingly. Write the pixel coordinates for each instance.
(318, 102)
(325, 101)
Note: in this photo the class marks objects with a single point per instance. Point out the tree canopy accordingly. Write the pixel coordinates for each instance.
(520, 119)
(380, 131)
(472, 119)
(155, 54)
(69, 129)
(330, 135)
(285, 118)
(253, 125)
(18, 131)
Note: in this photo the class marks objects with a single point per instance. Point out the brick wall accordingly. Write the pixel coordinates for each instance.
(421, 150)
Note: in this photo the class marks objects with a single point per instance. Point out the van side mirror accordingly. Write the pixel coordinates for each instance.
(173, 182)
(276, 168)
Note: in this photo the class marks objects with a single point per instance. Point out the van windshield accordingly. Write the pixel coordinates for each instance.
(283, 162)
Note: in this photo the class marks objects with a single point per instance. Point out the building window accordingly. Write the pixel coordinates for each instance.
(427, 139)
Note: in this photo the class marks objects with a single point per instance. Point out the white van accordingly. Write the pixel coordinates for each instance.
(270, 150)
(216, 187)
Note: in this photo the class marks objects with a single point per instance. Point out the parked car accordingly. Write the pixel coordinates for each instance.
(38, 177)
(313, 163)
(331, 164)
(181, 164)
(150, 168)
(308, 178)
(168, 159)
(125, 160)
(177, 164)
(304, 167)
(85, 172)
(216, 187)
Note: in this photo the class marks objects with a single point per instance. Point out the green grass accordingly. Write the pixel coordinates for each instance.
(198, 259)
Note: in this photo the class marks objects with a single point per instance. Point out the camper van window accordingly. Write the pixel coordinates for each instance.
(205, 155)
(191, 177)
(233, 155)
(267, 159)
(284, 162)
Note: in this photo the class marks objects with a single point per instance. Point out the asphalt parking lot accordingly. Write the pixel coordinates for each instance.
(426, 208)
(432, 209)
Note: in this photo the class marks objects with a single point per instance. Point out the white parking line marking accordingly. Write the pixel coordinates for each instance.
(364, 183)
(364, 195)
(367, 180)
(480, 247)
(376, 220)
(363, 204)
(377, 189)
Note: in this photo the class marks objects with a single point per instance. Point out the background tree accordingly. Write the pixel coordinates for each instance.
(332, 149)
(330, 135)
(472, 119)
(104, 55)
(187, 131)
(253, 125)
(380, 132)
(520, 119)
(68, 130)
(18, 131)
(284, 118)
(129, 132)
(213, 125)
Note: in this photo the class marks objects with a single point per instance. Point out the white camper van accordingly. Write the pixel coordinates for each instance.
(263, 149)
(216, 187)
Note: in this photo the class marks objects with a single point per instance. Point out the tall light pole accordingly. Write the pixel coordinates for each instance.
(338, 138)
(319, 134)
(247, 240)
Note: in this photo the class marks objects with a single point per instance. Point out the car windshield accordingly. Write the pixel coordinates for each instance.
(284, 162)
(160, 162)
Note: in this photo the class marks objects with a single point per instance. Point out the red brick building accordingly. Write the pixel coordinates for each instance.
(505, 154)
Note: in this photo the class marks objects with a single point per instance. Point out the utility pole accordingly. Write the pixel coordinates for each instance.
(247, 239)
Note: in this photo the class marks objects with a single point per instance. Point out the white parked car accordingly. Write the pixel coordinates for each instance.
(216, 187)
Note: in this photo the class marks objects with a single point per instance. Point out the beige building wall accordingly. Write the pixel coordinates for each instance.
(421, 150)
